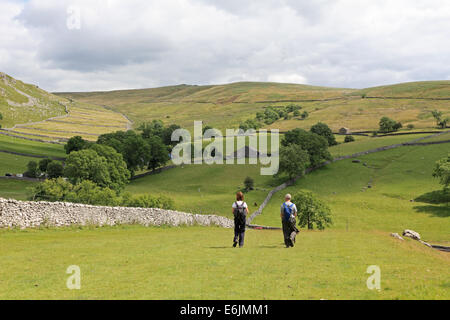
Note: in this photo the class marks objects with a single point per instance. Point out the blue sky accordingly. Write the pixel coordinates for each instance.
(138, 44)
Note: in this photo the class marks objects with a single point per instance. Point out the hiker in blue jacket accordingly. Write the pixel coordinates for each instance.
(288, 214)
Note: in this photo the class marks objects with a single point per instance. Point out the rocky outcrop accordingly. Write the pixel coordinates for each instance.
(27, 214)
(411, 234)
(397, 236)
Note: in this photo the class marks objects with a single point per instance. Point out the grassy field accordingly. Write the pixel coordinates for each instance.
(397, 178)
(199, 263)
(31, 147)
(205, 188)
(87, 121)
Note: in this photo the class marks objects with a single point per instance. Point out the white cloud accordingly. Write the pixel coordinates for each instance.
(135, 44)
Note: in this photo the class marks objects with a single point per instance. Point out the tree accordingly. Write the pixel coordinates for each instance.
(440, 121)
(249, 183)
(315, 145)
(54, 170)
(150, 129)
(293, 160)
(296, 113)
(117, 168)
(43, 164)
(88, 192)
(167, 135)
(159, 154)
(388, 125)
(32, 170)
(87, 165)
(442, 172)
(312, 211)
(76, 143)
(349, 139)
(323, 130)
(134, 148)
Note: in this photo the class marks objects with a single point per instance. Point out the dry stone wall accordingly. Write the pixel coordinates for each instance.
(27, 214)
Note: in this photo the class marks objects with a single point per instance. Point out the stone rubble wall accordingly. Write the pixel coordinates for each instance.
(28, 214)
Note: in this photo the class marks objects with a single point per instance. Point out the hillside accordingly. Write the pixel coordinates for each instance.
(225, 106)
(21, 102)
(33, 113)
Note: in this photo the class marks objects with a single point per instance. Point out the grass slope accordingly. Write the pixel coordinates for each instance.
(22, 103)
(396, 177)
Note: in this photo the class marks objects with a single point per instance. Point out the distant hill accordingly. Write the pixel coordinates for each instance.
(21, 102)
(225, 106)
(417, 90)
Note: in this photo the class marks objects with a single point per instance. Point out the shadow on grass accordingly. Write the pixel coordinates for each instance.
(438, 211)
(434, 197)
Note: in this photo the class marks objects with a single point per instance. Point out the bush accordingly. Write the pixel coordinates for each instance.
(349, 139)
(147, 201)
(87, 192)
(410, 126)
(249, 183)
(305, 115)
(312, 211)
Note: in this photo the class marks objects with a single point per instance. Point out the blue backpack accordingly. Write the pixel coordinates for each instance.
(287, 210)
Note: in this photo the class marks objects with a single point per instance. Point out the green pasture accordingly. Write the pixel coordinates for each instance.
(133, 262)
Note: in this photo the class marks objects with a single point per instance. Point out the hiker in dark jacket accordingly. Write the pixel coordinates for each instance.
(288, 214)
(240, 211)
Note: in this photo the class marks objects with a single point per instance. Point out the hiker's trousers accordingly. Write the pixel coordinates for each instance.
(289, 232)
(239, 234)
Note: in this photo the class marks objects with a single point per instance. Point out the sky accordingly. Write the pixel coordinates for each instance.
(87, 45)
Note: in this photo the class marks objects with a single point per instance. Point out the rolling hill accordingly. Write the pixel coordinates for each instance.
(225, 106)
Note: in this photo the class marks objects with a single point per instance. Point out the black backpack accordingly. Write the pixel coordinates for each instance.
(239, 214)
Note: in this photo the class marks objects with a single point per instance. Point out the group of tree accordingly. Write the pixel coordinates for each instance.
(441, 121)
(97, 173)
(388, 125)
(46, 167)
(272, 114)
(148, 149)
(1, 118)
(301, 149)
(88, 192)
